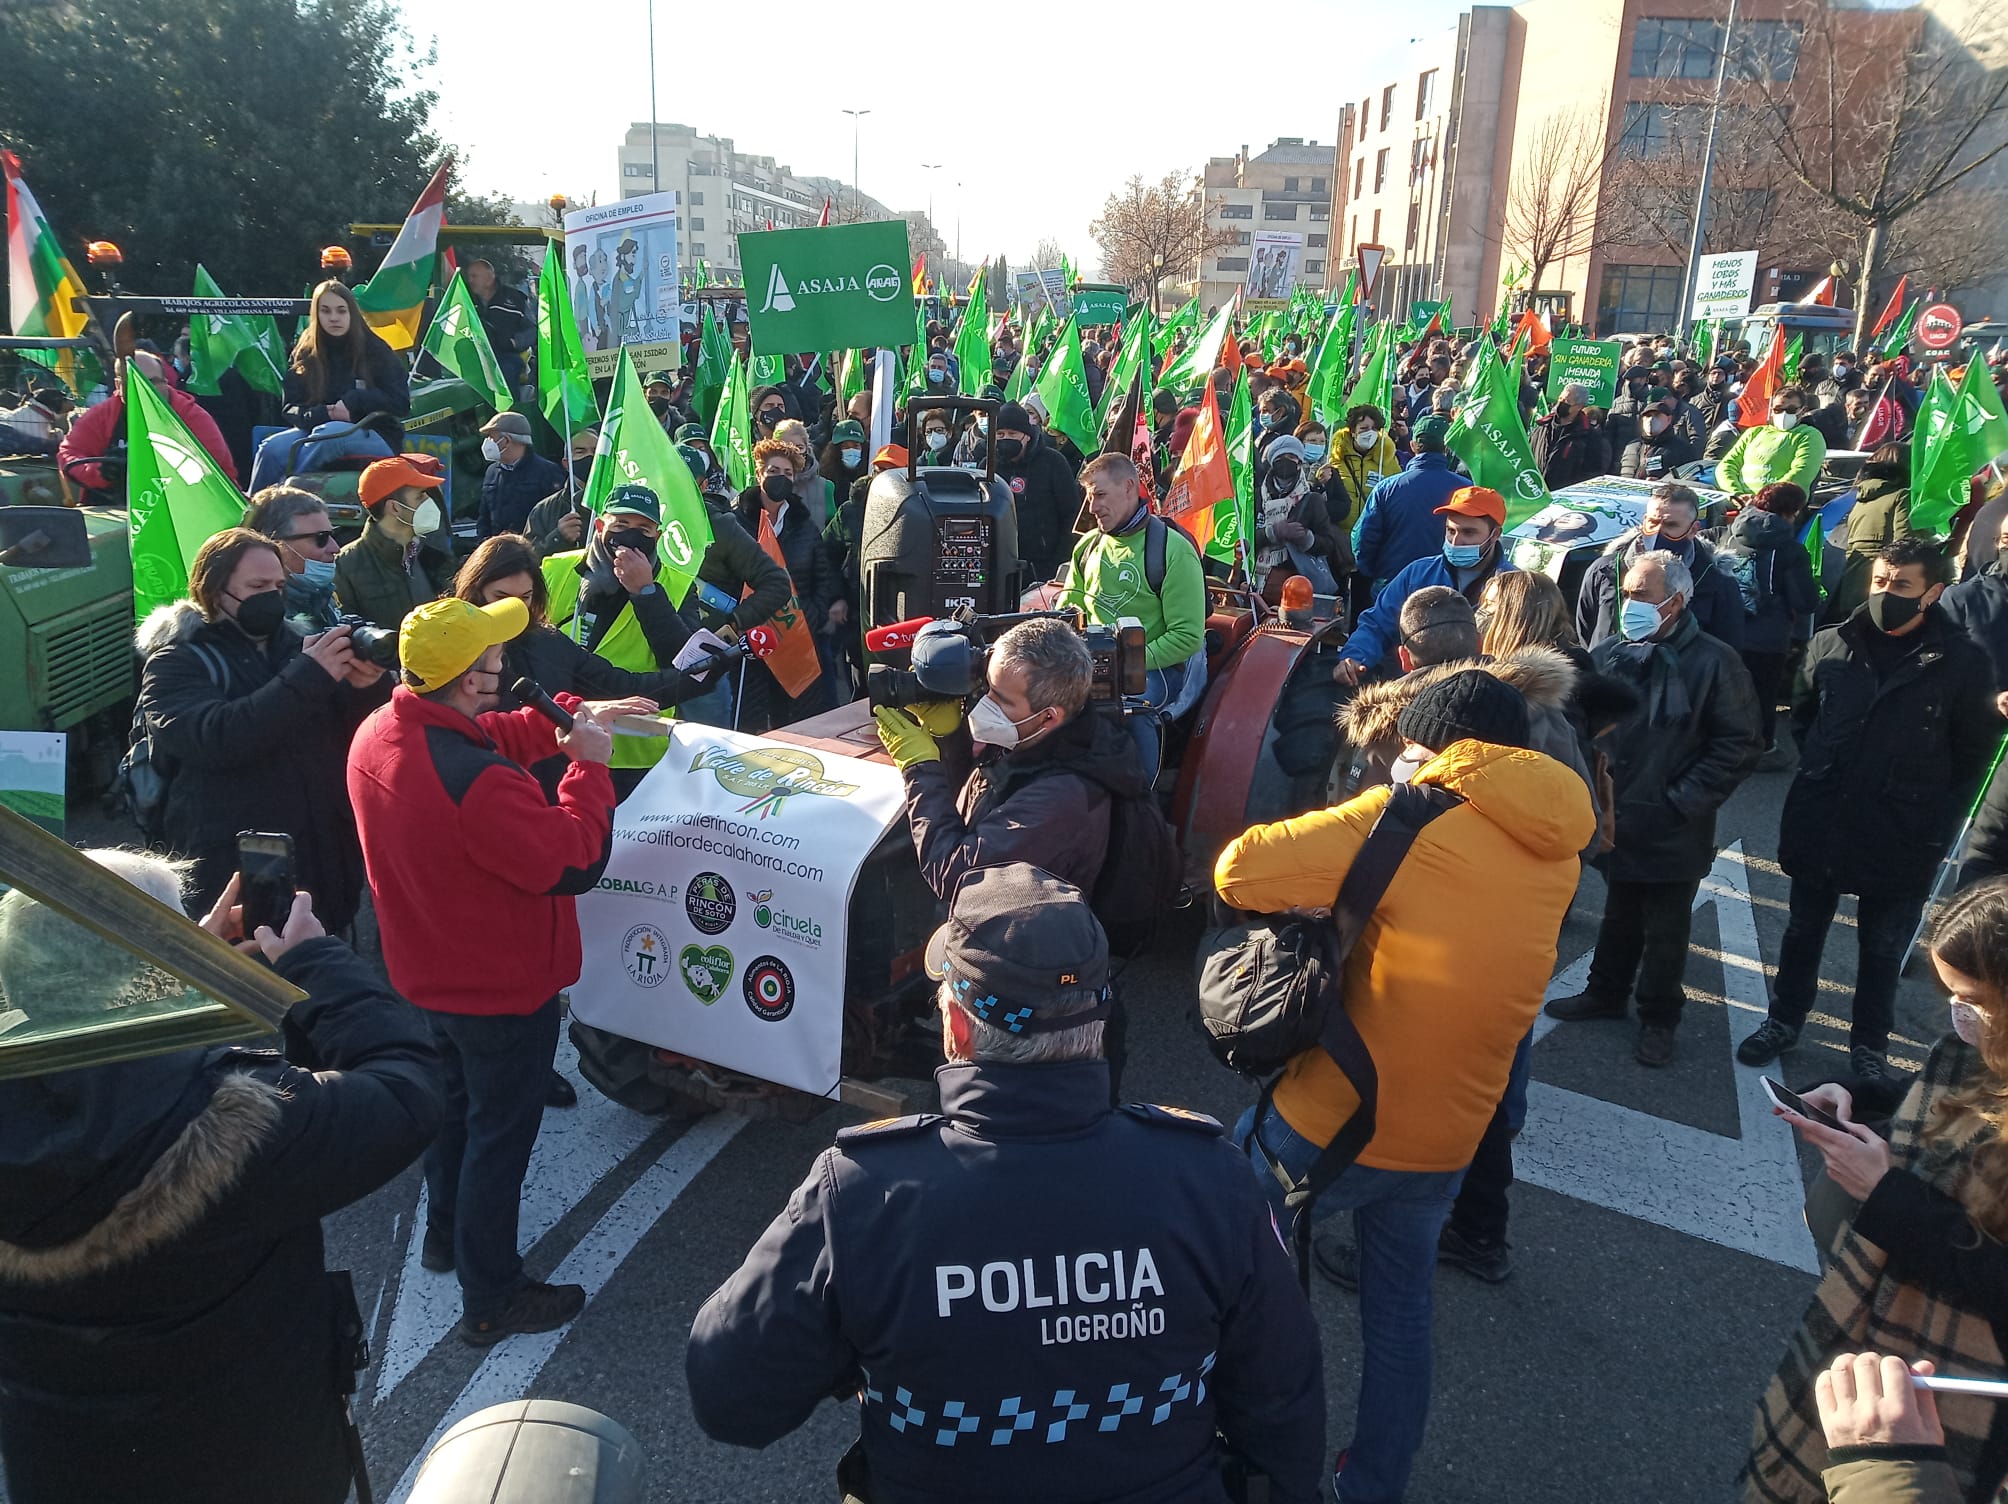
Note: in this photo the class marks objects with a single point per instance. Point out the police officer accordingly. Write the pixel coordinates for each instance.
(1033, 1296)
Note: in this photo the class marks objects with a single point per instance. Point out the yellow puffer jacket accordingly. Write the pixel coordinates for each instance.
(1361, 472)
(1453, 965)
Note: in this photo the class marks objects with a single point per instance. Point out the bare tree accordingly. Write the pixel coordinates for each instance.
(1048, 254)
(1552, 206)
(1883, 114)
(1648, 196)
(1149, 230)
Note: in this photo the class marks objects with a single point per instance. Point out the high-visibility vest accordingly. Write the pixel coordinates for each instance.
(624, 646)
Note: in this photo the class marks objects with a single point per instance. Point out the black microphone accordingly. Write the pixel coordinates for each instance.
(531, 693)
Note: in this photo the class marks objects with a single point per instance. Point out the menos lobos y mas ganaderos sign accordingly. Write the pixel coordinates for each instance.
(839, 288)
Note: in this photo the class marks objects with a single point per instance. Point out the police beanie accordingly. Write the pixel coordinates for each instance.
(1467, 706)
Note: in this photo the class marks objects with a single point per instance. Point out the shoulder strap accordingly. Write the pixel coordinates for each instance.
(1155, 540)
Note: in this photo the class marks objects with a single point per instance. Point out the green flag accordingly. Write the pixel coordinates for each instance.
(1489, 437)
(564, 389)
(916, 368)
(768, 370)
(1189, 372)
(457, 341)
(852, 381)
(633, 450)
(1181, 322)
(1375, 381)
(1021, 374)
(1897, 339)
(218, 342)
(1704, 342)
(732, 430)
(1792, 354)
(1063, 387)
(1959, 430)
(714, 366)
(1134, 354)
(972, 340)
(1241, 465)
(177, 498)
(1330, 360)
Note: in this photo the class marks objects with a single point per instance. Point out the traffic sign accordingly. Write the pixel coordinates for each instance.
(1938, 327)
(1372, 257)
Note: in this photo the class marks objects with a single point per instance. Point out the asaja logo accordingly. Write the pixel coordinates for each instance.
(645, 953)
(779, 299)
(767, 776)
(639, 887)
(705, 969)
(177, 456)
(782, 924)
(769, 988)
(882, 283)
(676, 543)
(710, 904)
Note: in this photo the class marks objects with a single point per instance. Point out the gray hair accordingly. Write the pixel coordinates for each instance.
(990, 1043)
(1673, 490)
(57, 973)
(1673, 571)
(1058, 668)
(1576, 394)
(274, 510)
(1436, 631)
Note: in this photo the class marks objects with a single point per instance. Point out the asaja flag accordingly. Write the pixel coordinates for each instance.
(219, 342)
(457, 340)
(1753, 403)
(1488, 436)
(564, 388)
(177, 499)
(851, 382)
(1793, 352)
(1898, 339)
(41, 283)
(714, 367)
(1959, 431)
(1704, 342)
(972, 340)
(1200, 497)
(732, 429)
(1241, 462)
(1375, 380)
(633, 450)
(1201, 356)
(1329, 362)
(393, 301)
(1063, 387)
(1132, 361)
(793, 663)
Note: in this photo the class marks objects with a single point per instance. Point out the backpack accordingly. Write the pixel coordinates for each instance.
(1141, 876)
(1751, 569)
(146, 772)
(1270, 988)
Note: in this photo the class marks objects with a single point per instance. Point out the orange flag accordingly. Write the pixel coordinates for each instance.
(1538, 337)
(1893, 307)
(1822, 293)
(793, 663)
(1203, 478)
(1753, 403)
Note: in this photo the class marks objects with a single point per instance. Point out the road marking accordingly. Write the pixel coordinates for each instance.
(576, 1148)
(512, 1366)
(1745, 1192)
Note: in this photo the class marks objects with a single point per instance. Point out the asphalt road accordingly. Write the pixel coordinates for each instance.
(1654, 1285)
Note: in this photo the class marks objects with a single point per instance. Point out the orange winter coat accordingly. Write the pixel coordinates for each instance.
(1452, 967)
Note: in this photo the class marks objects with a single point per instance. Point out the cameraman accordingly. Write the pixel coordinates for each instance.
(1040, 792)
(297, 521)
(168, 1331)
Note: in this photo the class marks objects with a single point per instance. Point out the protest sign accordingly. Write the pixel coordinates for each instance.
(718, 927)
(1589, 362)
(1272, 267)
(1722, 285)
(1100, 303)
(838, 288)
(624, 289)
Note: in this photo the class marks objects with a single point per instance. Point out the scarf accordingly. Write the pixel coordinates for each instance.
(1860, 1306)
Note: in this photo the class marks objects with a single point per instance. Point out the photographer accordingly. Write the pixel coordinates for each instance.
(256, 721)
(297, 521)
(1040, 793)
(167, 1329)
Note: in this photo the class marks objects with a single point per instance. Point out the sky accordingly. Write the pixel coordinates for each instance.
(1027, 148)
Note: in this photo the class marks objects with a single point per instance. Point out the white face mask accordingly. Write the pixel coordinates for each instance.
(1404, 768)
(991, 726)
(1365, 439)
(491, 450)
(936, 439)
(426, 518)
(1968, 1022)
(1786, 421)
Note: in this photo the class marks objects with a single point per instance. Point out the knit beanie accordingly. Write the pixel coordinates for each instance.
(1468, 706)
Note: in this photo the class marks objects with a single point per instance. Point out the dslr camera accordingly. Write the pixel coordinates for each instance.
(951, 660)
(377, 644)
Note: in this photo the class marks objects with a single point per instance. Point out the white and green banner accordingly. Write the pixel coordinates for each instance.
(827, 288)
(1587, 362)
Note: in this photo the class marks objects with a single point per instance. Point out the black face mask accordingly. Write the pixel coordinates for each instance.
(769, 416)
(630, 537)
(262, 614)
(1891, 613)
(1010, 451)
(778, 488)
(658, 405)
(1282, 479)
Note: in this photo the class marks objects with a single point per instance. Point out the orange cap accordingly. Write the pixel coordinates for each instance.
(890, 455)
(1471, 501)
(385, 476)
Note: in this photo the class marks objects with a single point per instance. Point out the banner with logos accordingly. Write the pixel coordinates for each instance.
(843, 287)
(1722, 285)
(718, 928)
(620, 262)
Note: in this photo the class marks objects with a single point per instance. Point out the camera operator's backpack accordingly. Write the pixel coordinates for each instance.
(1270, 988)
(1140, 877)
(1750, 568)
(146, 772)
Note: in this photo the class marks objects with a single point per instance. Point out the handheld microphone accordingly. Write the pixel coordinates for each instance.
(899, 634)
(761, 641)
(531, 693)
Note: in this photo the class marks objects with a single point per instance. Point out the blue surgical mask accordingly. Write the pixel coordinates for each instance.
(1268, 420)
(318, 573)
(1314, 452)
(1638, 620)
(851, 457)
(1463, 555)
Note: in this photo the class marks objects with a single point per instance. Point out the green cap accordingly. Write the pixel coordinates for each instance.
(850, 429)
(1433, 426)
(636, 501)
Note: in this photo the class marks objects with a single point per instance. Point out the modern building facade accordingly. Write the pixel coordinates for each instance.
(1275, 202)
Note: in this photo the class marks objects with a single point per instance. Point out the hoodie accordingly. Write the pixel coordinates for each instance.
(1783, 576)
(1441, 995)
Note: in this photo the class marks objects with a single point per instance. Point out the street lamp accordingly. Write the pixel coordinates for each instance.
(1156, 272)
(856, 192)
(930, 167)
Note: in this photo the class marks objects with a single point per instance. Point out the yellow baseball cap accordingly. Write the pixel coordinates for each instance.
(440, 640)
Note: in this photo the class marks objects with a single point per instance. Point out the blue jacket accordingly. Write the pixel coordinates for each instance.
(1033, 1297)
(507, 495)
(1378, 630)
(1399, 523)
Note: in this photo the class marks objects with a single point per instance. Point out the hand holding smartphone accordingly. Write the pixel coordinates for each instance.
(265, 868)
(1780, 1094)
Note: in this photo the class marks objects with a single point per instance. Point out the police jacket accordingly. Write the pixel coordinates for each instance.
(1033, 1297)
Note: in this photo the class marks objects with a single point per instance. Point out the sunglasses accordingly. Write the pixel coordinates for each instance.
(320, 540)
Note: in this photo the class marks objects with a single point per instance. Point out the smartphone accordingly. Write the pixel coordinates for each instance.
(1791, 1101)
(265, 867)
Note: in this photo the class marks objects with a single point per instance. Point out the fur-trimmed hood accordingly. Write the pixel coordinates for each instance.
(1544, 676)
(176, 621)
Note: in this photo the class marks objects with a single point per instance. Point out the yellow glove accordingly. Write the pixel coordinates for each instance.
(939, 716)
(904, 739)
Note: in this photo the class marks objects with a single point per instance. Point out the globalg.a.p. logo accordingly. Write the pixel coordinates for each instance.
(767, 776)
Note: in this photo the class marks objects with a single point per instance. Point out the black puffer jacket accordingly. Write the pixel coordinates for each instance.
(266, 749)
(808, 563)
(1048, 497)
(1888, 764)
(733, 562)
(380, 386)
(1676, 758)
(1979, 608)
(167, 1330)
(561, 666)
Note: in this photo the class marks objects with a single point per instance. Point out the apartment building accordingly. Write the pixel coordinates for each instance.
(1275, 209)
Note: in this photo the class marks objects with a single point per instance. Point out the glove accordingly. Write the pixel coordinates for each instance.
(904, 739)
(939, 717)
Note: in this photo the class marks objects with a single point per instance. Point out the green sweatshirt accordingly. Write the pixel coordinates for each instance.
(1765, 455)
(1108, 582)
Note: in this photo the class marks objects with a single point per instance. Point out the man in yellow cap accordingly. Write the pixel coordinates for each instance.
(1472, 552)
(474, 870)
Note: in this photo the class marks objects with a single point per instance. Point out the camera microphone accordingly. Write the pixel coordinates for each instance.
(531, 693)
(897, 635)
